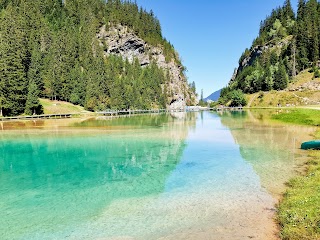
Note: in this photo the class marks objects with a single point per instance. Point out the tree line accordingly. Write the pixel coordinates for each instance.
(292, 41)
(48, 49)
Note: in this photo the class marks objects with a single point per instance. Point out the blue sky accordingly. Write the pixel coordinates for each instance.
(210, 35)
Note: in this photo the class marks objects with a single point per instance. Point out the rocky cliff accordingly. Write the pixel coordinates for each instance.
(256, 52)
(122, 41)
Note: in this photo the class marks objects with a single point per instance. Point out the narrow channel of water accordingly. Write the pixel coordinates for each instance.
(181, 176)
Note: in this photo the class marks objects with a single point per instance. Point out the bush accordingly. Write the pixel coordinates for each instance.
(316, 73)
(261, 95)
(237, 98)
(213, 104)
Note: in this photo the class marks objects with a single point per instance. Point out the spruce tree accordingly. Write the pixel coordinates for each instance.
(51, 44)
(33, 105)
(36, 68)
(267, 84)
(301, 38)
(280, 78)
(312, 29)
(13, 60)
(287, 10)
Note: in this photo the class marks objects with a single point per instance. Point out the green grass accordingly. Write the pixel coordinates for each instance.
(287, 98)
(299, 116)
(56, 107)
(299, 210)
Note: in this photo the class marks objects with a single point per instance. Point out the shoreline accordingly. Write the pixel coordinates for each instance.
(297, 211)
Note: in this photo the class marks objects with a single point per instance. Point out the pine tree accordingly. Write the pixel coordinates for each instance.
(201, 98)
(13, 60)
(274, 58)
(193, 87)
(311, 29)
(36, 68)
(267, 84)
(3, 90)
(280, 78)
(33, 105)
(287, 10)
(50, 44)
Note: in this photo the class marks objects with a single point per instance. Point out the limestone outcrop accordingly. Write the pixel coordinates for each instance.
(122, 41)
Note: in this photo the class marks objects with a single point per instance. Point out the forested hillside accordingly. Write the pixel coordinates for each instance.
(288, 43)
(49, 49)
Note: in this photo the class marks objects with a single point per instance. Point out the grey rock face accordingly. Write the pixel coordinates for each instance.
(177, 103)
(120, 40)
(254, 54)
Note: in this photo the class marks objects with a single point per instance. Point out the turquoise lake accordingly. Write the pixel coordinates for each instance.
(177, 176)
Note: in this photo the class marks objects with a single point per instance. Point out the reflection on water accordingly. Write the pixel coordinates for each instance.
(52, 180)
(175, 176)
(271, 148)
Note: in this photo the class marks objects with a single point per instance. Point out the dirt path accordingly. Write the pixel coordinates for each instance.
(252, 99)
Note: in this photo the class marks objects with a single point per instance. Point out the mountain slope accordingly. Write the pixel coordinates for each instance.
(71, 51)
(214, 96)
(287, 44)
(119, 40)
(303, 91)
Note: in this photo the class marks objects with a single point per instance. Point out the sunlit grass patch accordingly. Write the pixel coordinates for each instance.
(299, 211)
(56, 107)
(299, 116)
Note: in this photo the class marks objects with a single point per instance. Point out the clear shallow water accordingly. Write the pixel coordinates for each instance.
(195, 176)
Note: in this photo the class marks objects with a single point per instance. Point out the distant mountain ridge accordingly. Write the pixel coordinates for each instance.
(214, 96)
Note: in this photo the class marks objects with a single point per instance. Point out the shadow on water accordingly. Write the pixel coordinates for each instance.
(49, 181)
(271, 148)
(155, 120)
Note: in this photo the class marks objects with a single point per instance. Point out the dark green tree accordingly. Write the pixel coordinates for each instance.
(13, 63)
(33, 105)
(280, 78)
(202, 102)
(301, 36)
(288, 10)
(237, 98)
(312, 29)
(193, 87)
(274, 59)
(36, 68)
(52, 44)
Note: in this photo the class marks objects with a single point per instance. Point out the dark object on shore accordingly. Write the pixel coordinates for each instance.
(311, 145)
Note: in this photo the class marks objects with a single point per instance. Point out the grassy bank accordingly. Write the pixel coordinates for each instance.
(56, 107)
(299, 116)
(298, 93)
(299, 211)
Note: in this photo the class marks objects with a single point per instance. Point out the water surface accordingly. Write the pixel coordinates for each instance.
(182, 176)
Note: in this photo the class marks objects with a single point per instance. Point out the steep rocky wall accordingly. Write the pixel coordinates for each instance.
(122, 41)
